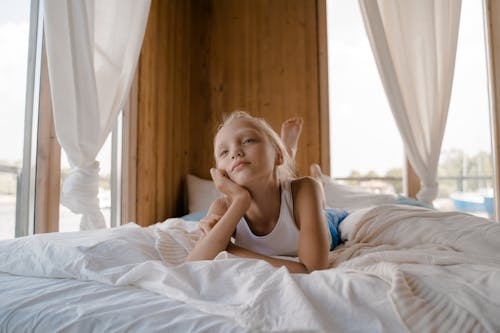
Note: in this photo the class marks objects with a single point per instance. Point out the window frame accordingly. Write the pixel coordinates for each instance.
(25, 199)
(492, 31)
(48, 161)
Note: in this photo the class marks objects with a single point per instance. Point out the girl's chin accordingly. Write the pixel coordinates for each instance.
(240, 179)
(247, 179)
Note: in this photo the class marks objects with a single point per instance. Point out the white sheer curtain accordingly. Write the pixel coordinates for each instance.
(414, 44)
(92, 51)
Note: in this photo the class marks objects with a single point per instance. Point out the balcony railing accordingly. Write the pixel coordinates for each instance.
(460, 180)
(473, 194)
(9, 169)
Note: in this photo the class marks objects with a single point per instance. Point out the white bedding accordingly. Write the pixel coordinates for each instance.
(30, 304)
(401, 268)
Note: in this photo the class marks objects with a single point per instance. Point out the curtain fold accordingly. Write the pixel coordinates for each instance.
(92, 52)
(414, 44)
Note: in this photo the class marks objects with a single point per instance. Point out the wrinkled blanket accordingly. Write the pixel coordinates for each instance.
(400, 268)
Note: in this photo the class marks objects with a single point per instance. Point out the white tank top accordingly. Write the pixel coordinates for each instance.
(283, 240)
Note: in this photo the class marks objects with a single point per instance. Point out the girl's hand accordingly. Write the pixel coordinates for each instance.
(217, 231)
(208, 222)
(225, 185)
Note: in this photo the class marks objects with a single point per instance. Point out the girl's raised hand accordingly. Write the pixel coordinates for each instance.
(225, 185)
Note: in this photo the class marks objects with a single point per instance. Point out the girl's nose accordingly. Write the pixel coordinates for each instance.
(237, 153)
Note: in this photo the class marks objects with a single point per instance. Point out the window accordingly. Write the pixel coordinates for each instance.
(465, 166)
(365, 143)
(364, 140)
(14, 70)
(23, 86)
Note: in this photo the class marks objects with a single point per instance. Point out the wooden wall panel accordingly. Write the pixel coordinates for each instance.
(260, 56)
(201, 123)
(146, 120)
(163, 112)
(129, 154)
(181, 105)
(48, 171)
(324, 99)
(203, 58)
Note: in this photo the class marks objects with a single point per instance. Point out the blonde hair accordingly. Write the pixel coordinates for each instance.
(287, 167)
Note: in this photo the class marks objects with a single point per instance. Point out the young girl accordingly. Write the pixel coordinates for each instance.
(266, 211)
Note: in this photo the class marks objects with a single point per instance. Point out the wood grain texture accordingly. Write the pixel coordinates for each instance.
(48, 171)
(163, 113)
(129, 155)
(259, 56)
(149, 69)
(324, 98)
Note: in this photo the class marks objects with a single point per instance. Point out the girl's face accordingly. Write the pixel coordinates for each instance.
(244, 152)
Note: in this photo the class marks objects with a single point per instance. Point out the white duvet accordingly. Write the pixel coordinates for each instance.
(401, 268)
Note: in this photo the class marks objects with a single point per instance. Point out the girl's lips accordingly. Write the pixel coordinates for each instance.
(238, 165)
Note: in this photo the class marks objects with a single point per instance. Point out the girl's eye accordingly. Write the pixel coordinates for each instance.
(249, 140)
(223, 153)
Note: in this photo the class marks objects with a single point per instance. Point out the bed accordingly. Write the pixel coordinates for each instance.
(401, 268)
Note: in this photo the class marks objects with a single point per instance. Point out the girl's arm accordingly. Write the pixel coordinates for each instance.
(308, 212)
(218, 238)
(292, 266)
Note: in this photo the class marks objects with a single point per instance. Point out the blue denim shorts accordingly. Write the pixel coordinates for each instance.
(334, 216)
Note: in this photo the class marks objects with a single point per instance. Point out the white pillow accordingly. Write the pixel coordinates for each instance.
(351, 197)
(201, 193)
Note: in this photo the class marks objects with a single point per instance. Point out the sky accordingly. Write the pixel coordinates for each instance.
(363, 133)
(14, 30)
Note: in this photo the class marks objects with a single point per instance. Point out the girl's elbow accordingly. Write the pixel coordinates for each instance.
(190, 258)
(316, 266)
(314, 260)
